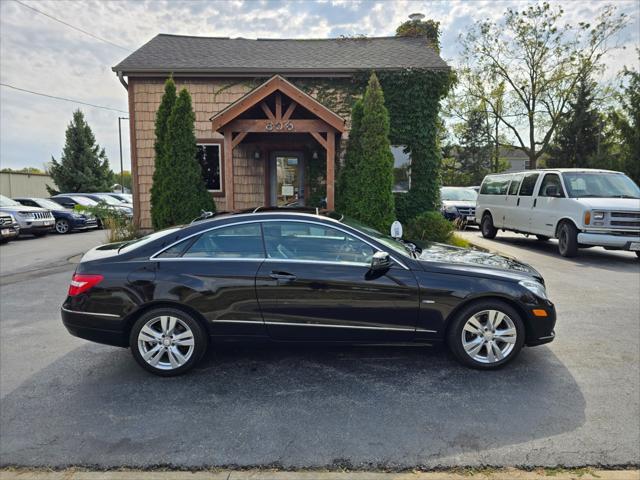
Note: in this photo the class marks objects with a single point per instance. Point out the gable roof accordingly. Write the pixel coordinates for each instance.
(277, 83)
(214, 55)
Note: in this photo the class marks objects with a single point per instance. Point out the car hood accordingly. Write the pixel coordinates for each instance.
(458, 203)
(467, 260)
(22, 208)
(597, 203)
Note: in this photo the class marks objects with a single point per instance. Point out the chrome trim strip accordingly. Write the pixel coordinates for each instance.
(92, 313)
(316, 262)
(330, 224)
(325, 325)
(428, 301)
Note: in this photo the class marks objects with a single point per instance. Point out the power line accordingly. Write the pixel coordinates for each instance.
(62, 98)
(71, 26)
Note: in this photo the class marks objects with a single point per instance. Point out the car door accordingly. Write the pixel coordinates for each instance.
(316, 284)
(510, 209)
(215, 274)
(525, 202)
(547, 205)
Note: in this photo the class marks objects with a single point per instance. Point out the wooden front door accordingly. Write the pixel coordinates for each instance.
(287, 179)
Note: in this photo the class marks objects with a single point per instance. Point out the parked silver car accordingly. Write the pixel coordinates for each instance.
(33, 220)
(9, 228)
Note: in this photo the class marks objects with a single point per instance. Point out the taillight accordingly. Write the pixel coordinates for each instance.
(81, 283)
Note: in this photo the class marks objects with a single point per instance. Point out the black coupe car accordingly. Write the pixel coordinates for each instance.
(301, 277)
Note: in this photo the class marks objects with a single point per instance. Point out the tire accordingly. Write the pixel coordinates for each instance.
(153, 331)
(542, 238)
(487, 228)
(567, 240)
(62, 226)
(491, 353)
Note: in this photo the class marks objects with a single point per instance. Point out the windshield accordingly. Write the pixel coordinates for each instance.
(388, 241)
(87, 202)
(44, 203)
(600, 184)
(7, 202)
(138, 242)
(464, 194)
(108, 199)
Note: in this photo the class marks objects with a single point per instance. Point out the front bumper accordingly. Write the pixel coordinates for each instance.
(470, 219)
(619, 242)
(31, 226)
(540, 330)
(82, 224)
(9, 231)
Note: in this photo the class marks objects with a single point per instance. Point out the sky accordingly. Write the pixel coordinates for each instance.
(40, 54)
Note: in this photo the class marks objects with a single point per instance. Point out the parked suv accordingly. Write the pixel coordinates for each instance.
(459, 202)
(66, 219)
(9, 228)
(34, 220)
(579, 207)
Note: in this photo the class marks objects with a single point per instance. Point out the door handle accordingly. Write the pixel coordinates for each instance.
(518, 203)
(534, 202)
(282, 276)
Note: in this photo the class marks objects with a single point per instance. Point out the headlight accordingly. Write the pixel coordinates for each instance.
(26, 215)
(598, 215)
(451, 209)
(77, 215)
(535, 287)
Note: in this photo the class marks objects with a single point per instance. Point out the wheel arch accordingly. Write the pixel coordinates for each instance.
(561, 221)
(135, 315)
(490, 296)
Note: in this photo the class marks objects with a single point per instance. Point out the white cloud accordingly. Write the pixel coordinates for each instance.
(40, 54)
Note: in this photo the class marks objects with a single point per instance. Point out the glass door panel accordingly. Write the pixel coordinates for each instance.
(288, 180)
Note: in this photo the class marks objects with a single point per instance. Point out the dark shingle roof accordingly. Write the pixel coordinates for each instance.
(174, 53)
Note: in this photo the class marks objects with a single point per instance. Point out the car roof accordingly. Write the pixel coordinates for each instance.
(260, 212)
(557, 170)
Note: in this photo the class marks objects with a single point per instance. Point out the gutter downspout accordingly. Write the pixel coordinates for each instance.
(123, 81)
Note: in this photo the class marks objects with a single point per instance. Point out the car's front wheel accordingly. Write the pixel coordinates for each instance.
(568, 240)
(486, 335)
(487, 228)
(62, 226)
(167, 341)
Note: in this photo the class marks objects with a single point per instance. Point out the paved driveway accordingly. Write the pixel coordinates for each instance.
(574, 402)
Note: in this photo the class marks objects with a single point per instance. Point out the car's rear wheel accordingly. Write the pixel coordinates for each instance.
(487, 228)
(486, 335)
(62, 226)
(568, 239)
(167, 341)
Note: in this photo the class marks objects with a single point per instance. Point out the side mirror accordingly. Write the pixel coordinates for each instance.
(380, 262)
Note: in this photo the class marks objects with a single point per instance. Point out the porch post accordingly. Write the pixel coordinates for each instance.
(331, 154)
(228, 170)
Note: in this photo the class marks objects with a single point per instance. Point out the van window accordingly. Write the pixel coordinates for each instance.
(528, 184)
(515, 184)
(550, 180)
(495, 185)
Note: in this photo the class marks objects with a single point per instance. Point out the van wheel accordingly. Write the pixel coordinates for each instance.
(568, 240)
(487, 228)
(542, 238)
(637, 254)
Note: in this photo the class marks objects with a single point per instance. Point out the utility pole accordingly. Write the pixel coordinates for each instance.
(121, 167)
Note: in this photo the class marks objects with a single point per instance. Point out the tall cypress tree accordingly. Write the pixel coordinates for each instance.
(345, 190)
(184, 193)
(160, 205)
(369, 190)
(83, 166)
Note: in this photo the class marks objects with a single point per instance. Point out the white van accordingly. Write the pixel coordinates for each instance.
(579, 207)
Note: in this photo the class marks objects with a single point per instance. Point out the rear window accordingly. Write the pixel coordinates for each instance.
(495, 185)
(237, 241)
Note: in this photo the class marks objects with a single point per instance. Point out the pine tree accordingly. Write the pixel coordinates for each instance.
(160, 207)
(475, 140)
(184, 194)
(369, 190)
(83, 166)
(348, 173)
(579, 136)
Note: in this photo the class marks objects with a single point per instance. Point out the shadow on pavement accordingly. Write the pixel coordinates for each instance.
(387, 407)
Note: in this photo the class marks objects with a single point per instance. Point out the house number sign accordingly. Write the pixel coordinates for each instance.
(279, 126)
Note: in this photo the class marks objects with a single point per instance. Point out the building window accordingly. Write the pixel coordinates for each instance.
(209, 158)
(401, 168)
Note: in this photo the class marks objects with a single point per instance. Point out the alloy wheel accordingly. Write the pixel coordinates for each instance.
(166, 342)
(62, 226)
(489, 336)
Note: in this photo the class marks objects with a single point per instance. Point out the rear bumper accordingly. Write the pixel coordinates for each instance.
(620, 242)
(101, 328)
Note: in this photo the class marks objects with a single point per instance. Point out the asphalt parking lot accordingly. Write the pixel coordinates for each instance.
(573, 402)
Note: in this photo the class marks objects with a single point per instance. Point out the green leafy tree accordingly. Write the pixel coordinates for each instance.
(369, 191)
(430, 29)
(83, 166)
(160, 205)
(346, 189)
(475, 147)
(540, 59)
(184, 194)
(627, 122)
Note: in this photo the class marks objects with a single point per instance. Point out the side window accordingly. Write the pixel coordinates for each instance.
(497, 185)
(313, 242)
(209, 158)
(515, 184)
(401, 169)
(550, 180)
(528, 184)
(235, 241)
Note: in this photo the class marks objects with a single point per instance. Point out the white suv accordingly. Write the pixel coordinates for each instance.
(579, 207)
